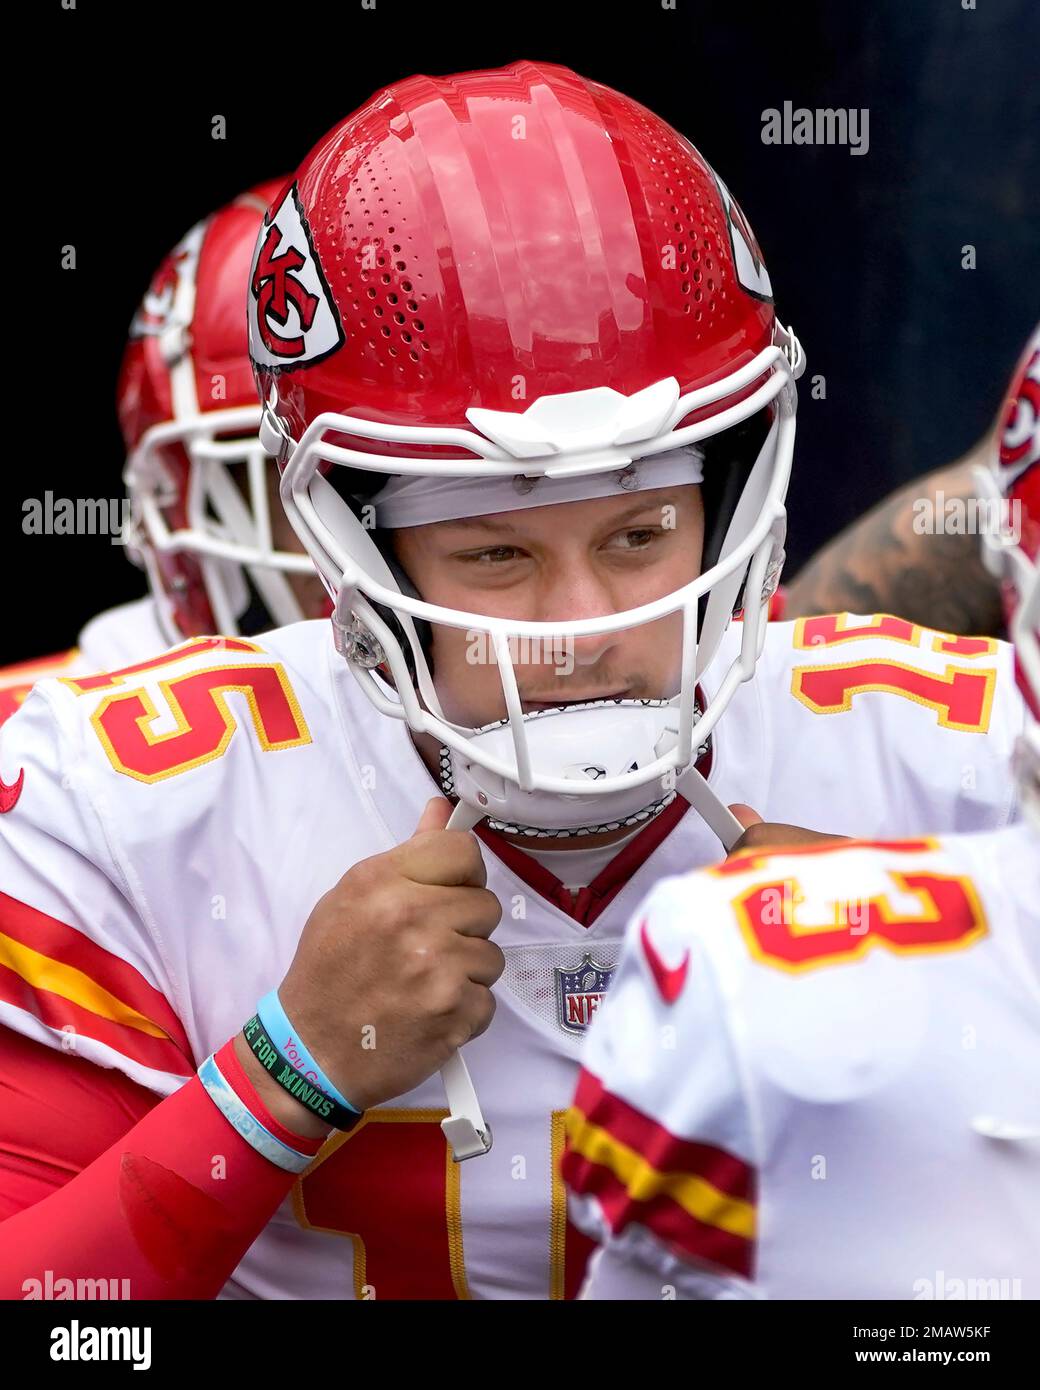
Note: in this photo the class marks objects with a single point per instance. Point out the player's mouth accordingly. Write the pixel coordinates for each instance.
(529, 705)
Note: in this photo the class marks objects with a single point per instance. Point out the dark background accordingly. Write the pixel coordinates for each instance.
(864, 251)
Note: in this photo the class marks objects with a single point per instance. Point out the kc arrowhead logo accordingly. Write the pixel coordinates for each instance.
(292, 316)
(170, 297)
(748, 264)
(1020, 427)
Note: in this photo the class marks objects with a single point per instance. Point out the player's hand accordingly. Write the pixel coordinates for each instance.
(766, 835)
(394, 968)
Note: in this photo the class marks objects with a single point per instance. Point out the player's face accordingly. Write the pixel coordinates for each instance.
(556, 564)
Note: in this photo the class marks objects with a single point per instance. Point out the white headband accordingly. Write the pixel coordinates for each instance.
(410, 500)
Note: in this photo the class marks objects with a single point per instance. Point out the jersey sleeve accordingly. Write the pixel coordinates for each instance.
(880, 728)
(17, 681)
(660, 1158)
(80, 970)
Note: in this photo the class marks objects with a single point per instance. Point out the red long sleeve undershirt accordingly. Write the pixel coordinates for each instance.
(101, 1179)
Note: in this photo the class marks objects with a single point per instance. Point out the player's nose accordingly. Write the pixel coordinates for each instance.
(575, 594)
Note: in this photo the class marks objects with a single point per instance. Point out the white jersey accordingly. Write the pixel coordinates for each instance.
(174, 828)
(121, 635)
(111, 639)
(816, 1076)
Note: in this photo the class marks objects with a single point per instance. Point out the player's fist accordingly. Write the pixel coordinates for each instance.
(394, 968)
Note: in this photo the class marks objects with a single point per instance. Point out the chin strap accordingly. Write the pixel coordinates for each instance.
(718, 817)
(465, 1129)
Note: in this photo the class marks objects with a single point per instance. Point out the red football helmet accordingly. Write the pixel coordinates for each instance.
(1011, 545)
(188, 410)
(522, 278)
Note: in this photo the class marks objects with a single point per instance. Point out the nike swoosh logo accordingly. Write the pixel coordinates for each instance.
(9, 794)
(668, 979)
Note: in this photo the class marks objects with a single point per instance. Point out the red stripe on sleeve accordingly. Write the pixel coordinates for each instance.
(662, 1150)
(67, 945)
(670, 1223)
(56, 1011)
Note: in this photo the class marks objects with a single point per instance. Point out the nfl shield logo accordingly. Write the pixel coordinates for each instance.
(579, 992)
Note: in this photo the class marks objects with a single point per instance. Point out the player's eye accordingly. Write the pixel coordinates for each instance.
(491, 555)
(636, 538)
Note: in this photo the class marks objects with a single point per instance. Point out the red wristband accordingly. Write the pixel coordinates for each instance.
(235, 1075)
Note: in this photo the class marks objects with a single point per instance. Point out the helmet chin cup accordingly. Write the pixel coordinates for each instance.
(625, 736)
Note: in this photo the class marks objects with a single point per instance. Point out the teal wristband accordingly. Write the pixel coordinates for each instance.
(286, 1039)
(293, 1082)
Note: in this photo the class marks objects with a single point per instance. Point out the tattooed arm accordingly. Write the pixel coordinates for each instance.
(881, 564)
